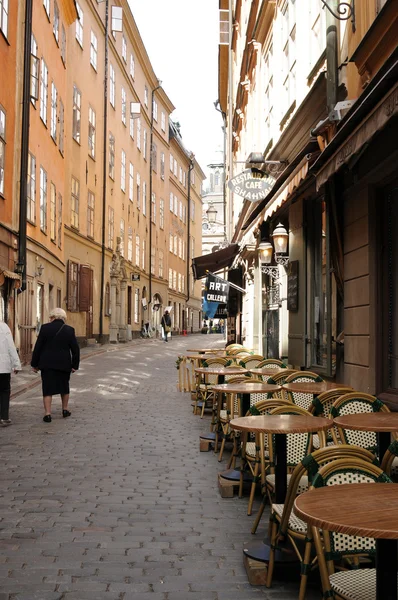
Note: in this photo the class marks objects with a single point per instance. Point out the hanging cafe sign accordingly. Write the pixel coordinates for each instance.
(251, 184)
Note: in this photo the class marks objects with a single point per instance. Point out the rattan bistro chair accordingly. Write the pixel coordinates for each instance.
(390, 461)
(251, 361)
(271, 364)
(300, 398)
(280, 379)
(250, 448)
(331, 547)
(284, 524)
(353, 403)
(221, 411)
(204, 383)
(321, 407)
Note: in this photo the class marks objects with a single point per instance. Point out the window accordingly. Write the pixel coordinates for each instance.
(192, 247)
(43, 92)
(130, 244)
(174, 280)
(184, 214)
(131, 128)
(171, 162)
(74, 205)
(179, 282)
(175, 168)
(154, 157)
(73, 278)
(2, 148)
(184, 179)
(54, 120)
(123, 172)
(146, 96)
(160, 264)
(31, 188)
(153, 205)
(43, 200)
(61, 127)
(162, 165)
(171, 201)
(175, 245)
(180, 176)
(63, 44)
(77, 103)
(4, 16)
(180, 210)
(111, 226)
(123, 106)
(144, 198)
(183, 249)
(112, 85)
(111, 156)
(93, 50)
(180, 247)
(34, 71)
(192, 211)
(46, 4)
(170, 278)
(122, 237)
(138, 200)
(176, 206)
(145, 143)
(161, 213)
(131, 182)
(124, 49)
(136, 305)
(91, 131)
(155, 111)
(163, 121)
(132, 66)
(56, 21)
(90, 214)
(137, 250)
(53, 212)
(171, 242)
(59, 224)
(79, 25)
(289, 52)
(139, 133)
(153, 260)
(143, 255)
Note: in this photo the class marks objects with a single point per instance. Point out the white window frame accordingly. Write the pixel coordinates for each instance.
(123, 171)
(144, 198)
(56, 22)
(122, 226)
(43, 91)
(111, 156)
(163, 121)
(4, 17)
(93, 50)
(34, 71)
(90, 214)
(161, 213)
(130, 244)
(112, 85)
(79, 25)
(76, 119)
(139, 133)
(137, 250)
(43, 199)
(124, 106)
(54, 116)
(132, 66)
(131, 182)
(46, 4)
(31, 188)
(91, 131)
(111, 227)
(75, 201)
(124, 49)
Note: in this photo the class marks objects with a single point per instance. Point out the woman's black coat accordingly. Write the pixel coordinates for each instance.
(55, 350)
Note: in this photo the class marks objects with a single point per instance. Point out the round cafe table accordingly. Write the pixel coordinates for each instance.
(383, 423)
(362, 509)
(221, 372)
(280, 425)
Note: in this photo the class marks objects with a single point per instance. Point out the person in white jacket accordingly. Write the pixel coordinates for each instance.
(9, 361)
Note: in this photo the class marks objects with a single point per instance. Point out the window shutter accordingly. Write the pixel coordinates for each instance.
(69, 285)
(85, 279)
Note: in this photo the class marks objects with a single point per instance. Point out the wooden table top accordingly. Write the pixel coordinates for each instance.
(312, 387)
(223, 371)
(196, 356)
(378, 421)
(205, 350)
(251, 387)
(364, 509)
(281, 423)
(264, 371)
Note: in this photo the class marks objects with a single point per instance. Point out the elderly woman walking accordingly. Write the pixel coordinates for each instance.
(56, 354)
(9, 361)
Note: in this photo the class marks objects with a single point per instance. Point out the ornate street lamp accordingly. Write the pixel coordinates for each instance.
(211, 213)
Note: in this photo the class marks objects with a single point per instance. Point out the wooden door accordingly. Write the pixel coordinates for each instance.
(26, 325)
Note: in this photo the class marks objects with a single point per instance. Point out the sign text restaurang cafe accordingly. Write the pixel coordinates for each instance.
(251, 184)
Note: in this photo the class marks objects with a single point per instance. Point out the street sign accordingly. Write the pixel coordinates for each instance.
(135, 276)
(251, 184)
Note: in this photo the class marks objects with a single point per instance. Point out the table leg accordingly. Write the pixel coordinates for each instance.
(245, 404)
(280, 468)
(386, 570)
(384, 440)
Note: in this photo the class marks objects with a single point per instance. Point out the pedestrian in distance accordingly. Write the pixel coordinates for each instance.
(166, 325)
(9, 361)
(56, 355)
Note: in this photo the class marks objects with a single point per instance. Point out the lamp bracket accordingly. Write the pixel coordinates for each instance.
(281, 260)
(272, 272)
(345, 11)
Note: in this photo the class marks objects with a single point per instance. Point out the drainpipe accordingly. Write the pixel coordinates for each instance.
(104, 174)
(331, 57)
(21, 264)
(190, 169)
(150, 196)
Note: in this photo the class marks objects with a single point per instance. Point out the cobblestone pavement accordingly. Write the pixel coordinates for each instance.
(116, 502)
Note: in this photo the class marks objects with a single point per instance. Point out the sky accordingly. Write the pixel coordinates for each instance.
(181, 38)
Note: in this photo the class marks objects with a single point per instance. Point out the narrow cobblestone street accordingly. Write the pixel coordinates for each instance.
(117, 502)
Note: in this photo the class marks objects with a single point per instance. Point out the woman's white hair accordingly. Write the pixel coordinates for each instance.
(58, 313)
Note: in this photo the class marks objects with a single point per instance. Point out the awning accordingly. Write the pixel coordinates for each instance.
(374, 122)
(215, 261)
(291, 170)
(5, 273)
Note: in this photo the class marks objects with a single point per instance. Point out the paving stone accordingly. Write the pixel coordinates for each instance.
(117, 502)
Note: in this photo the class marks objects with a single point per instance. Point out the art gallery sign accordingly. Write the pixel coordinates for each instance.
(251, 184)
